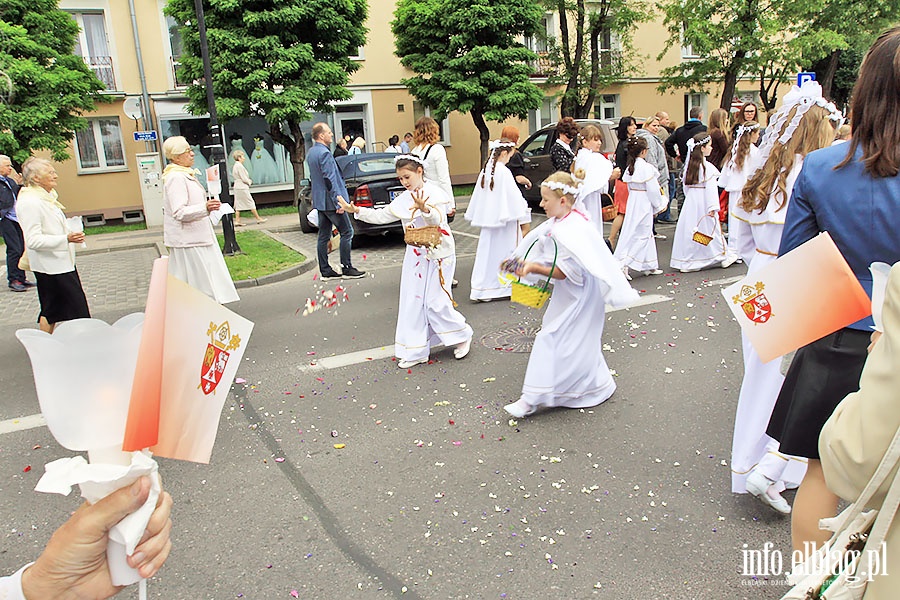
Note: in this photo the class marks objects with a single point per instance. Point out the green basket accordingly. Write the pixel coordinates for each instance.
(534, 296)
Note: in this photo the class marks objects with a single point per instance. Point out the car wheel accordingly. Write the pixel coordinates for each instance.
(303, 209)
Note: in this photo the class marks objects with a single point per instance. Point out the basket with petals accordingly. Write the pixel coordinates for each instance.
(534, 296)
(428, 236)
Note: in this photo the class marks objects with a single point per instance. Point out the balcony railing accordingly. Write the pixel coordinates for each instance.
(544, 66)
(610, 64)
(178, 75)
(102, 67)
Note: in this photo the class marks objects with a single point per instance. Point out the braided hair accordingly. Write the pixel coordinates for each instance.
(492, 160)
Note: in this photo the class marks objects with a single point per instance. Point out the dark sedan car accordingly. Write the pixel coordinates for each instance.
(536, 153)
(371, 181)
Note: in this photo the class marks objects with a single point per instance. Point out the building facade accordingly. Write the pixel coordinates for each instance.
(107, 176)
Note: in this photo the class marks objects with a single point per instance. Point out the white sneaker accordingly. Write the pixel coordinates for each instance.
(626, 273)
(653, 272)
(762, 488)
(462, 349)
(405, 364)
(659, 236)
(729, 260)
(520, 409)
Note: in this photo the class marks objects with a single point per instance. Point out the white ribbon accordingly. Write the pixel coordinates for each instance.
(691, 143)
(494, 144)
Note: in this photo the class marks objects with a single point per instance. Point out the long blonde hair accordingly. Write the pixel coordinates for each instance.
(814, 131)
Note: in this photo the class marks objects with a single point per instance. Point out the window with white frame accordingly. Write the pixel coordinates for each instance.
(691, 100)
(543, 116)
(540, 43)
(687, 50)
(420, 110)
(93, 46)
(99, 146)
(176, 49)
(607, 107)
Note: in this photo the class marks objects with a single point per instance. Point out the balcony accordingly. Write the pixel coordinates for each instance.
(178, 76)
(544, 66)
(102, 66)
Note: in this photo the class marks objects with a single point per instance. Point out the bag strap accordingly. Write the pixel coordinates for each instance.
(552, 266)
(427, 150)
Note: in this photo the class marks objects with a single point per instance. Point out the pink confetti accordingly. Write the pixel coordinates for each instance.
(295, 594)
(240, 380)
(364, 257)
(279, 460)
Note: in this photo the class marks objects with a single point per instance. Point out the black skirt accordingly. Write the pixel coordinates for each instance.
(821, 375)
(61, 297)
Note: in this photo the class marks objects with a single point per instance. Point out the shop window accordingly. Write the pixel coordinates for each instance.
(99, 146)
(420, 110)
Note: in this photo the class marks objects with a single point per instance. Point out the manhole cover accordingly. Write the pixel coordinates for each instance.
(514, 339)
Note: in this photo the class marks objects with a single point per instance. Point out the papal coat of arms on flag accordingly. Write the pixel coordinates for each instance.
(216, 357)
(754, 303)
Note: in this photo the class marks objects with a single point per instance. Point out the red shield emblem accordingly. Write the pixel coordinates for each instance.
(214, 362)
(757, 309)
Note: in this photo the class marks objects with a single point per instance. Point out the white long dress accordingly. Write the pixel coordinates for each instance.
(566, 367)
(426, 315)
(700, 199)
(597, 171)
(499, 212)
(733, 180)
(636, 248)
(751, 448)
(265, 169)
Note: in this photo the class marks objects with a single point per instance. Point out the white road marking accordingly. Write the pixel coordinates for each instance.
(644, 301)
(22, 424)
(725, 281)
(465, 233)
(351, 358)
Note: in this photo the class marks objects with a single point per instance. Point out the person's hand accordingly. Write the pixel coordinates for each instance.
(524, 181)
(617, 172)
(73, 565)
(419, 200)
(876, 335)
(524, 268)
(76, 237)
(344, 206)
(212, 205)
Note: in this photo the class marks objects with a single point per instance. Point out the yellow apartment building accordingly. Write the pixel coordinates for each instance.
(112, 176)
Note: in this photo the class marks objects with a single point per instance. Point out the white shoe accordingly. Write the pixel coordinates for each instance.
(462, 349)
(626, 273)
(688, 270)
(729, 260)
(653, 272)
(760, 486)
(405, 364)
(519, 409)
(659, 236)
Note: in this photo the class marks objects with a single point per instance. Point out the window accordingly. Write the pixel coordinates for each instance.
(360, 54)
(540, 43)
(607, 107)
(420, 110)
(687, 50)
(692, 100)
(536, 146)
(99, 146)
(177, 49)
(543, 116)
(93, 46)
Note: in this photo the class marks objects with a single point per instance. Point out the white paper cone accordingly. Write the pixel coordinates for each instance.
(880, 272)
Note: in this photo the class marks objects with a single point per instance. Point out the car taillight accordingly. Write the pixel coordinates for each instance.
(362, 197)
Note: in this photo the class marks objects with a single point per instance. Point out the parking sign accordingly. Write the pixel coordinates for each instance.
(804, 77)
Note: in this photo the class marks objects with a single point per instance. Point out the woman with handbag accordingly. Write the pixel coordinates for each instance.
(427, 313)
(865, 170)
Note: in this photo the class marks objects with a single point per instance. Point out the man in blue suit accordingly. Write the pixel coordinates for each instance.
(10, 229)
(327, 186)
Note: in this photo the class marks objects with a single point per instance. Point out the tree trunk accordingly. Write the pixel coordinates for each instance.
(729, 86)
(484, 133)
(296, 148)
(828, 76)
(570, 100)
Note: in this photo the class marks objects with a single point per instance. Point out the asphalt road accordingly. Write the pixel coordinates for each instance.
(436, 494)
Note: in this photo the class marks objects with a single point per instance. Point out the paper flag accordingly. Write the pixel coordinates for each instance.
(194, 350)
(801, 297)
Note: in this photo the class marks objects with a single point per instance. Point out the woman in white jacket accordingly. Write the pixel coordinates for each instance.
(50, 246)
(434, 157)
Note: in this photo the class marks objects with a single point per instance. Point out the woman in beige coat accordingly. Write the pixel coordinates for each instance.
(859, 431)
(242, 182)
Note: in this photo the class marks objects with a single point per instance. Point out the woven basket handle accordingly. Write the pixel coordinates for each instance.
(697, 228)
(552, 267)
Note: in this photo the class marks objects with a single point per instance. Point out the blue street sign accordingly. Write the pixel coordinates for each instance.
(145, 136)
(802, 77)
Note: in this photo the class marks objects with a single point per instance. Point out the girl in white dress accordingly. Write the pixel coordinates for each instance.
(566, 366)
(700, 212)
(739, 164)
(426, 315)
(636, 248)
(757, 466)
(498, 208)
(598, 170)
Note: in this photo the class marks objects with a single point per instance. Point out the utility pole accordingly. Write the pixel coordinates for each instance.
(216, 136)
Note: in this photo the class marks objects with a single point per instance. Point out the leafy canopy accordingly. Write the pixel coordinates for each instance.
(466, 56)
(48, 87)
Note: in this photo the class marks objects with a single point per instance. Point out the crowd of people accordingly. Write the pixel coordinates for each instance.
(822, 427)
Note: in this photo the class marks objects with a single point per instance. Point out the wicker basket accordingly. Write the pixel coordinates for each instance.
(534, 296)
(703, 238)
(422, 237)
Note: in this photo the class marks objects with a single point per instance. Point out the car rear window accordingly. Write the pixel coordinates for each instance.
(376, 165)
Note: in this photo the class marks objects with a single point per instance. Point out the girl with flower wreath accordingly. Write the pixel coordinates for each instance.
(499, 210)
(739, 165)
(566, 367)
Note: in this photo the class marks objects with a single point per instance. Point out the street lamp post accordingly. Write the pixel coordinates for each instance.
(216, 136)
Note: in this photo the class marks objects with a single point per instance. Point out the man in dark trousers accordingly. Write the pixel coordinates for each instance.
(327, 186)
(684, 133)
(10, 229)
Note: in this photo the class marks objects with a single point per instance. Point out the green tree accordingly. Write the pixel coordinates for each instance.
(277, 59)
(583, 55)
(44, 88)
(466, 57)
(730, 39)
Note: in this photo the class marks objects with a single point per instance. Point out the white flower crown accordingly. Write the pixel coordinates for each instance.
(494, 144)
(691, 143)
(563, 187)
(411, 157)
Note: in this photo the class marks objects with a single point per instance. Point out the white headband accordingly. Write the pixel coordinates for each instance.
(411, 157)
(739, 132)
(691, 143)
(563, 187)
(494, 144)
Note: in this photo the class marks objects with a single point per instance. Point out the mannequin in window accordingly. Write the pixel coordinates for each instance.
(265, 169)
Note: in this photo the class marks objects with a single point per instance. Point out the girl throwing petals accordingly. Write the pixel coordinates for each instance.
(566, 366)
(427, 315)
(498, 208)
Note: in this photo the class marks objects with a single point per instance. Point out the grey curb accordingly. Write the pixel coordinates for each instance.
(288, 273)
